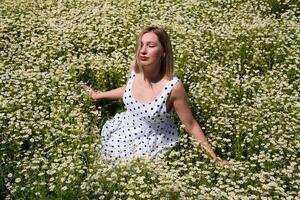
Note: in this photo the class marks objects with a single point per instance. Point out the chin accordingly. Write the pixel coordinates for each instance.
(145, 63)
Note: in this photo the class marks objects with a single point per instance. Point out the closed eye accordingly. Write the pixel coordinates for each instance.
(149, 44)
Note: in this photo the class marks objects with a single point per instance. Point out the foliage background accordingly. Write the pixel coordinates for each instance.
(239, 61)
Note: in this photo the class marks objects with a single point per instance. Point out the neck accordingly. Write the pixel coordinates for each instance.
(152, 76)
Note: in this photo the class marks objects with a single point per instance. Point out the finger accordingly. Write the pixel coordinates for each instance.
(87, 88)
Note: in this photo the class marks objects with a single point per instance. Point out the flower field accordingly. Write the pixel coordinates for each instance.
(239, 61)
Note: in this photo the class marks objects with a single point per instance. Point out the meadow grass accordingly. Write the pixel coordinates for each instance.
(238, 60)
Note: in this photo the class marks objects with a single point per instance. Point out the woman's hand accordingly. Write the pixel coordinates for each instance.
(93, 94)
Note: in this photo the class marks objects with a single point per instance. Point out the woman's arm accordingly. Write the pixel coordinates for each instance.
(111, 94)
(178, 98)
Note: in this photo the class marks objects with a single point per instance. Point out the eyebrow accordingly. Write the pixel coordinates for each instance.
(149, 42)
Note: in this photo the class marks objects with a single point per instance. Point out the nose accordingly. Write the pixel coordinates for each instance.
(143, 49)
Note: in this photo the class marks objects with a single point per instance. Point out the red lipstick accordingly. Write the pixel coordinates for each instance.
(144, 58)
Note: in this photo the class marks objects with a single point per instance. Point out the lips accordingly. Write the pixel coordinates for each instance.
(144, 58)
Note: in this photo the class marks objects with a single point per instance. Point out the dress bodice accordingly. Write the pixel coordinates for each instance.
(154, 112)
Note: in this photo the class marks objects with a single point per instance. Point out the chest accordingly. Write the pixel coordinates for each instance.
(144, 92)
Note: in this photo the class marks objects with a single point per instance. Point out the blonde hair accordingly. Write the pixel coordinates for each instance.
(167, 63)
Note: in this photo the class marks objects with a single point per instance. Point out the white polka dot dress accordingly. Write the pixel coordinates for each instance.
(144, 129)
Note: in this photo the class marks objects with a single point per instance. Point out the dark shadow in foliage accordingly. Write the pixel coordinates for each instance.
(108, 108)
(278, 7)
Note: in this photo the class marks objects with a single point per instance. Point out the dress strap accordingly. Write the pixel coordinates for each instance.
(131, 78)
(169, 86)
(167, 90)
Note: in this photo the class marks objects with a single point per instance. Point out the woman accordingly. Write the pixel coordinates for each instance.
(151, 93)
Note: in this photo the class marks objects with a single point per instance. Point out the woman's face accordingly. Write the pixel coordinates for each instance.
(151, 51)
